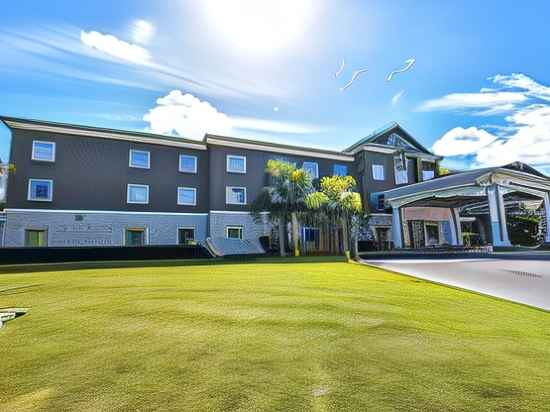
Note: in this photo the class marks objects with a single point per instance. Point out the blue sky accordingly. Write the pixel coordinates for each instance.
(477, 92)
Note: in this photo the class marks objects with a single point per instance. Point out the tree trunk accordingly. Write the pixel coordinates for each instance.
(282, 234)
(345, 234)
(295, 233)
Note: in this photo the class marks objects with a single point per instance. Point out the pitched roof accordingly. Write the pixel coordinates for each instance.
(385, 129)
(22, 123)
(274, 145)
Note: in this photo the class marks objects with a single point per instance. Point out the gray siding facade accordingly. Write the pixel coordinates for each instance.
(93, 173)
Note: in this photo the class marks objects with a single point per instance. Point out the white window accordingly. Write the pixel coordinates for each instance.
(187, 196)
(378, 172)
(188, 164)
(138, 194)
(40, 190)
(312, 168)
(140, 159)
(236, 164)
(43, 151)
(428, 174)
(235, 195)
(234, 232)
(400, 167)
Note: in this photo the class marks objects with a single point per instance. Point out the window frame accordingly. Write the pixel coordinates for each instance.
(139, 151)
(187, 171)
(194, 189)
(379, 167)
(143, 229)
(228, 162)
(185, 228)
(45, 231)
(238, 227)
(52, 160)
(29, 190)
(228, 189)
(405, 171)
(424, 179)
(316, 168)
(128, 186)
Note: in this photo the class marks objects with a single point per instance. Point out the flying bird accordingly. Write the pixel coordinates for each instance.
(354, 76)
(408, 65)
(341, 69)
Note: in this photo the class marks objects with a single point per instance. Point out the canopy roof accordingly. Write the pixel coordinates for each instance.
(454, 185)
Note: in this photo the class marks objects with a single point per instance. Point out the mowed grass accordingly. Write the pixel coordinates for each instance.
(265, 336)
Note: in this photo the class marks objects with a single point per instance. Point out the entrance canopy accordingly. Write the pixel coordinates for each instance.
(459, 191)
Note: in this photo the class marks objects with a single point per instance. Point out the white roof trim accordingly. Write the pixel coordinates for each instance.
(103, 135)
(275, 149)
(232, 212)
(117, 212)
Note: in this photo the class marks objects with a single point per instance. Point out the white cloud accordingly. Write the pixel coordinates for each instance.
(187, 116)
(395, 99)
(524, 135)
(111, 45)
(490, 102)
(521, 81)
(142, 31)
(461, 142)
(529, 143)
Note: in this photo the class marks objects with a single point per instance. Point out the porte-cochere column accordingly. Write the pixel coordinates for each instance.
(547, 210)
(396, 229)
(497, 216)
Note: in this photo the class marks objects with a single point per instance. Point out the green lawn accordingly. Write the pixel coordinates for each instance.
(265, 336)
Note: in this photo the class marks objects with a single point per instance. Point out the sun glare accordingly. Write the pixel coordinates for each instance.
(259, 25)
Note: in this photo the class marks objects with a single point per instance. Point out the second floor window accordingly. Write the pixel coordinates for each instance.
(340, 170)
(236, 164)
(235, 195)
(43, 151)
(40, 190)
(188, 164)
(400, 167)
(140, 159)
(378, 172)
(138, 194)
(428, 174)
(187, 196)
(312, 168)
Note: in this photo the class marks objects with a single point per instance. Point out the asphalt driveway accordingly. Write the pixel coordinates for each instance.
(523, 281)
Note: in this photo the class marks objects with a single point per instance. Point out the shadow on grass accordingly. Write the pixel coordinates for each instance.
(114, 264)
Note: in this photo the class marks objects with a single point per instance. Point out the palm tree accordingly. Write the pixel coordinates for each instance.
(340, 202)
(285, 196)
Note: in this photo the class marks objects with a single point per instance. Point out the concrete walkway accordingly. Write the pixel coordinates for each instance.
(523, 281)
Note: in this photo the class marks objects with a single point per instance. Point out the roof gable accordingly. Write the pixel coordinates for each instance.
(391, 135)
